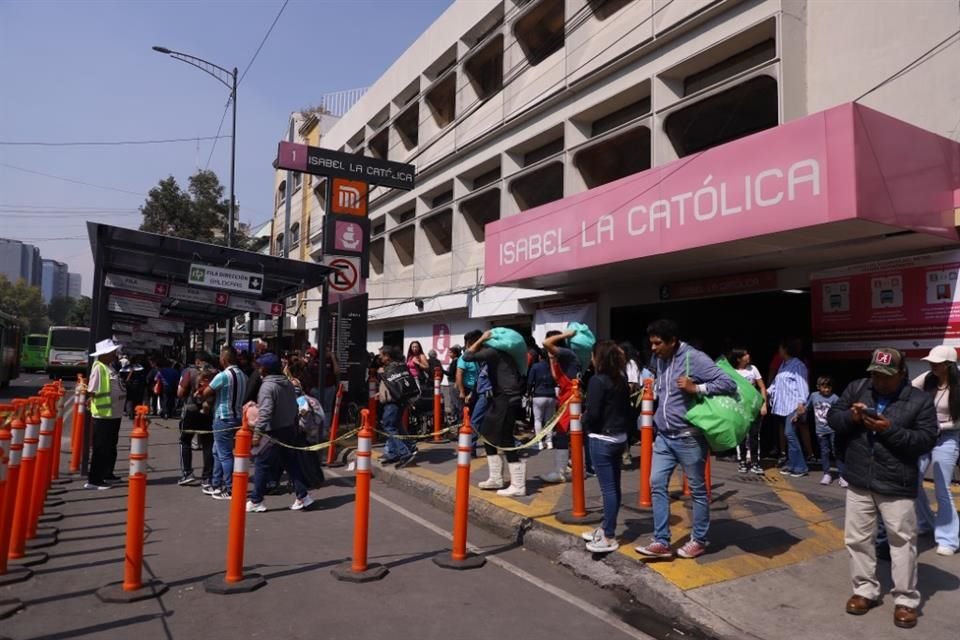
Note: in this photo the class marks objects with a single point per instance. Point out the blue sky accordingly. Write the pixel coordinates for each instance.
(80, 71)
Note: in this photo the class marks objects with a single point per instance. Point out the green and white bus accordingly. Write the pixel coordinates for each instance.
(67, 351)
(33, 353)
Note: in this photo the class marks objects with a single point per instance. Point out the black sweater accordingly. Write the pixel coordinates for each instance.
(608, 406)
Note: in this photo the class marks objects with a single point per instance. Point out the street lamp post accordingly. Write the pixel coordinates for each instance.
(218, 72)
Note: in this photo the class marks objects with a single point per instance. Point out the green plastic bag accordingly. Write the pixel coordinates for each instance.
(582, 343)
(725, 420)
(511, 342)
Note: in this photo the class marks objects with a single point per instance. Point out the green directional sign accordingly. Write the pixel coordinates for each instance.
(202, 275)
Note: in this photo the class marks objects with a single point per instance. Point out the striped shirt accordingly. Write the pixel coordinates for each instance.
(790, 388)
(231, 387)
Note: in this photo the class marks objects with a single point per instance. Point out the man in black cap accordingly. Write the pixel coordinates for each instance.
(884, 425)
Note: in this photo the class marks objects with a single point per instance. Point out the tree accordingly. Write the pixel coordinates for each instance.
(200, 213)
(81, 312)
(59, 309)
(24, 302)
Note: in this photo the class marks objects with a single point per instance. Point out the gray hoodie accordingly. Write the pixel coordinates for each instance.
(277, 404)
(671, 417)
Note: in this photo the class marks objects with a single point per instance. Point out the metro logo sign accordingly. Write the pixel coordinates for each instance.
(349, 196)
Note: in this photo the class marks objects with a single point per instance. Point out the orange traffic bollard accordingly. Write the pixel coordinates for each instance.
(61, 406)
(77, 435)
(358, 570)
(335, 426)
(22, 509)
(646, 444)
(578, 514)
(132, 588)
(9, 469)
(41, 477)
(234, 580)
(437, 404)
(459, 558)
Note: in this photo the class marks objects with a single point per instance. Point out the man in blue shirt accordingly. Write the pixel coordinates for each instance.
(229, 387)
(788, 397)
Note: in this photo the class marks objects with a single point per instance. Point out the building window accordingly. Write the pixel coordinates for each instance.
(442, 100)
(380, 144)
(543, 152)
(484, 69)
(603, 9)
(540, 31)
(620, 155)
(278, 246)
(539, 186)
(731, 66)
(438, 228)
(744, 109)
(480, 210)
(619, 117)
(281, 198)
(404, 244)
(295, 235)
(376, 256)
(297, 181)
(408, 126)
(441, 199)
(487, 177)
(404, 214)
(378, 226)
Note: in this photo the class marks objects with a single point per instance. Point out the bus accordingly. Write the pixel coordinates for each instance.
(67, 351)
(33, 353)
(10, 331)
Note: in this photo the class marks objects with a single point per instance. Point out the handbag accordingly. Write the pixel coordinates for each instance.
(725, 420)
(158, 387)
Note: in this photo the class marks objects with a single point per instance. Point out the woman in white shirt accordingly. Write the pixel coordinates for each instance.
(943, 384)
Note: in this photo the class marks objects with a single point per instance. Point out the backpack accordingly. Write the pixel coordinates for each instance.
(402, 387)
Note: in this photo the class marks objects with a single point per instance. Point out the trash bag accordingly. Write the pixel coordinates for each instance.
(511, 342)
(725, 420)
(582, 343)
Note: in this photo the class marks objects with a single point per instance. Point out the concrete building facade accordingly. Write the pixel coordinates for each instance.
(509, 105)
(20, 260)
(74, 284)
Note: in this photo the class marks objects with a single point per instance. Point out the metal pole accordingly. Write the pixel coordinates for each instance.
(287, 194)
(233, 171)
(323, 331)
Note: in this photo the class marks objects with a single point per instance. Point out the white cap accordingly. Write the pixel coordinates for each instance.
(941, 353)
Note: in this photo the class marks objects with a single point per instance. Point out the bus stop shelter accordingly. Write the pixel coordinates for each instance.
(144, 295)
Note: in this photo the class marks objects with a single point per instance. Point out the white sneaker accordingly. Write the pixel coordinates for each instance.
(826, 479)
(945, 551)
(255, 507)
(301, 504)
(98, 487)
(593, 535)
(603, 545)
(843, 483)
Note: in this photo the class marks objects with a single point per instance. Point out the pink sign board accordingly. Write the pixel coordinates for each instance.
(807, 172)
(348, 236)
(908, 303)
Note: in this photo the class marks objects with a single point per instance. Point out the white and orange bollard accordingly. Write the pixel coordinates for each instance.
(646, 445)
(334, 428)
(459, 558)
(132, 588)
(358, 569)
(11, 448)
(437, 404)
(36, 537)
(234, 580)
(578, 514)
(22, 508)
(62, 406)
(77, 426)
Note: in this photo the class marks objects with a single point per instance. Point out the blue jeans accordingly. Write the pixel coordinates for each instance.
(477, 414)
(946, 523)
(691, 454)
(394, 447)
(274, 456)
(827, 446)
(607, 459)
(796, 461)
(224, 432)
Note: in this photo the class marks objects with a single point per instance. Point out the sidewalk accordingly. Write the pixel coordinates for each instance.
(776, 567)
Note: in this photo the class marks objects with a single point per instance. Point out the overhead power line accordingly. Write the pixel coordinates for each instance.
(80, 182)
(104, 143)
(263, 42)
(916, 62)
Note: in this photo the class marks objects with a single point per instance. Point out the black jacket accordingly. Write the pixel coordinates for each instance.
(885, 463)
(504, 375)
(608, 406)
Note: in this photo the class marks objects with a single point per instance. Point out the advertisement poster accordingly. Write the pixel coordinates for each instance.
(909, 303)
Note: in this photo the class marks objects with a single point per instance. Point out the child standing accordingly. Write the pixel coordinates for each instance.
(819, 403)
(740, 359)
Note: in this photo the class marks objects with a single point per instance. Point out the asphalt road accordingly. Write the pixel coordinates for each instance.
(517, 594)
(26, 385)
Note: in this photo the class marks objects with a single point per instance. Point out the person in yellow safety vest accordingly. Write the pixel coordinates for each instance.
(107, 396)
